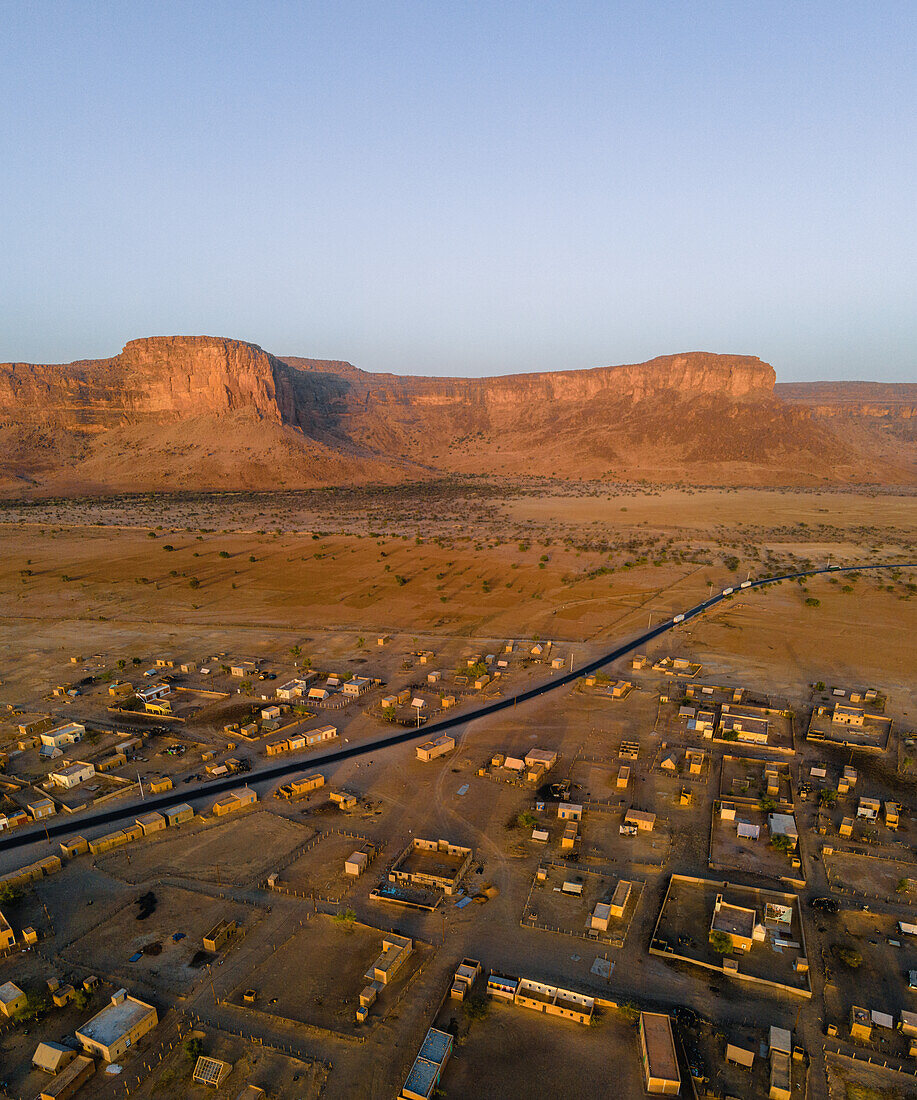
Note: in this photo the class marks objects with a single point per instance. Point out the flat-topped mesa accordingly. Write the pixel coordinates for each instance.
(198, 412)
(170, 377)
(687, 375)
(690, 375)
(892, 401)
(203, 376)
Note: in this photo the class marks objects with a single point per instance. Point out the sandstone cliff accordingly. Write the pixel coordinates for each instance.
(207, 412)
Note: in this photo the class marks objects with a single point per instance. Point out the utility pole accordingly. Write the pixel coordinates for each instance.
(140, 785)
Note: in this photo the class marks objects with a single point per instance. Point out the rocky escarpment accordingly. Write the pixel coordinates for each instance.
(162, 376)
(695, 416)
(206, 412)
(891, 404)
(168, 412)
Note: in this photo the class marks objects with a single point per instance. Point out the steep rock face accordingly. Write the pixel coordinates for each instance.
(889, 402)
(693, 375)
(676, 416)
(195, 376)
(168, 412)
(205, 412)
(161, 376)
(872, 417)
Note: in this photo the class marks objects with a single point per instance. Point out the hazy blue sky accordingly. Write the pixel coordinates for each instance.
(445, 187)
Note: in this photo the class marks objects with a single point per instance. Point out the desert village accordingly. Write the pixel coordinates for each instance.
(458, 551)
(647, 841)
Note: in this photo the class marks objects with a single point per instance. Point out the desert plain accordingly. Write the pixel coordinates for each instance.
(391, 583)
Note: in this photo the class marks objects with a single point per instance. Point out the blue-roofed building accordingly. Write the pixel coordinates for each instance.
(502, 987)
(436, 1047)
(428, 1066)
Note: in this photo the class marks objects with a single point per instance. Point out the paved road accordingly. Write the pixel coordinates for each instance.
(128, 811)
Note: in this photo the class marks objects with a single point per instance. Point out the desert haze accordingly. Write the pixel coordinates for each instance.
(201, 412)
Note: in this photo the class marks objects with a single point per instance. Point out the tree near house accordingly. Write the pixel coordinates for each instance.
(720, 942)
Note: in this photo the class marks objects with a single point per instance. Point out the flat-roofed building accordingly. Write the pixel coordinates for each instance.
(7, 935)
(781, 1081)
(151, 823)
(546, 758)
(641, 819)
(846, 715)
(430, 750)
(868, 808)
(502, 987)
(106, 843)
(465, 975)
(12, 999)
(738, 723)
(60, 736)
(72, 775)
(41, 807)
(570, 811)
(32, 727)
(435, 863)
(427, 1069)
(109, 763)
(620, 898)
(301, 785)
(357, 862)
(661, 1076)
(860, 1023)
(554, 1001)
(694, 758)
(219, 935)
(734, 921)
(177, 815)
(600, 917)
(321, 735)
(111, 1032)
(396, 950)
(292, 689)
(234, 801)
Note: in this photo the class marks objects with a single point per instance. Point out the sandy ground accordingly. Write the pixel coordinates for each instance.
(694, 509)
(333, 594)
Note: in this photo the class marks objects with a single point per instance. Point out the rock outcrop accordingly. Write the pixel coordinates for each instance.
(201, 412)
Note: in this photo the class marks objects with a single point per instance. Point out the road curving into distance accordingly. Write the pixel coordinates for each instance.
(76, 823)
